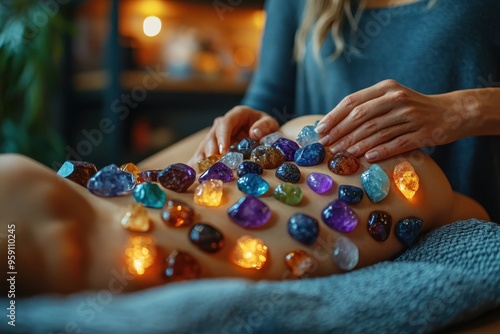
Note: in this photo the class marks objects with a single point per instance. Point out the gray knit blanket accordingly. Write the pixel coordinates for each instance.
(452, 274)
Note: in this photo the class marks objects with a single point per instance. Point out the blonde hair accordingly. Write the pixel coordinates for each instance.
(322, 17)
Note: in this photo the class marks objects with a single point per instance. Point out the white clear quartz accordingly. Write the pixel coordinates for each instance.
(232, 159)
(307, 136)
(345, 254)
(270, 138)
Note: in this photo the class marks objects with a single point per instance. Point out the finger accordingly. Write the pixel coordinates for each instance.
(211, 145)
(365, 143)
(394, 147)
(337, 114)
(380, 125)
(263, 127)
(357, 118)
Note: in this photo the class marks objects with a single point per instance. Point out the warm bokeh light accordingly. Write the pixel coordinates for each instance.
(259, 19)
(244, 57)
(249, 252)
(140, 253)
(151, 26)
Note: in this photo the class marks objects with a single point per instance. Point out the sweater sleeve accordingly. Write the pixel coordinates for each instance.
(272, 89)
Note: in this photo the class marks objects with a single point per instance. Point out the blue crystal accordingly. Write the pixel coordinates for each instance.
(303, 228)
(218, 171)
(246, 146)
(150, 195)
(376, 183)
(350, 194)
(307, 136)
(287, 147)
(249, 167)
(111, 181)
(253, 184)
(407, 230)
(310, 155)
(288, 172)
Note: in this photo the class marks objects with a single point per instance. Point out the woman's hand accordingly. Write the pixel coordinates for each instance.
(388, 119)
(236, 124)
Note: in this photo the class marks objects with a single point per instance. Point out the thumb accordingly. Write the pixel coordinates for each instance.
(263, 127)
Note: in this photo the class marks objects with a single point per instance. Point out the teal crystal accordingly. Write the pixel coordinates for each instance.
(253, 184)
(288, 193)
(150, 195)
(376, 183)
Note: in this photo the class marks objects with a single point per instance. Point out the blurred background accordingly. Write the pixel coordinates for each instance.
(113, 81)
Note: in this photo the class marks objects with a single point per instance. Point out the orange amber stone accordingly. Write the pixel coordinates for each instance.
(249, 252)
(177, 213)
(209, 193)
(299, 263)
(136, 218)
(130, 168)
(140, 252)
(406, 179)
(204, 164)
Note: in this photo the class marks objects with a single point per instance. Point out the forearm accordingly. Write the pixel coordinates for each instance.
(474, 112)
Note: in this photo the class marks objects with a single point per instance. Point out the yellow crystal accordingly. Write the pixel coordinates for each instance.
(140, 253)
(249, 252)
(204, 164)
(131, 168)
(136, 218)
(406, 179)
(209, 193)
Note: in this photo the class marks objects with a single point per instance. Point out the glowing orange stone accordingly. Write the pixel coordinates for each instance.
(130, 168)
(406, 179)
(136, 218)
(209, 193)
(249, 252)
(140, 253)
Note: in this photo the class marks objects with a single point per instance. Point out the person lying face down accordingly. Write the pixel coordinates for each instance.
(68, 239)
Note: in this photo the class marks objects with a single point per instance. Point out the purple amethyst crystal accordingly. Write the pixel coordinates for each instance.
(287, 147)
(218, 171)
(379, 225)
(111, 181)
(319, 183)
(177, 177)
(339, 216)
(249, 212)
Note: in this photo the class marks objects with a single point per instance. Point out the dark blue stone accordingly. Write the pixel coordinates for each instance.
(350, 194)
(303, 228)
(310, 155)
(111, 181)
(206, 237)
(246, 146)
(218, 171)
(288, 172)
(407, 230)
(379, 225)
(287, 147)
(249, 167)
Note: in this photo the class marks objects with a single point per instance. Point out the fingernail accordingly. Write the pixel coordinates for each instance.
(320, 128)
(257, 132)
(373, 155)
(353, 150)
(221, 148)
(334, 149)
(324, 140)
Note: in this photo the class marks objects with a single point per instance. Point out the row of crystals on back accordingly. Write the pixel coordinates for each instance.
(249, 159)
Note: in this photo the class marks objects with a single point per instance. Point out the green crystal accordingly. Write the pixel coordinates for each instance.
(288, 193)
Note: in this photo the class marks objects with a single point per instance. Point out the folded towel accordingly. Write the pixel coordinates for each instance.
(452, 274)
